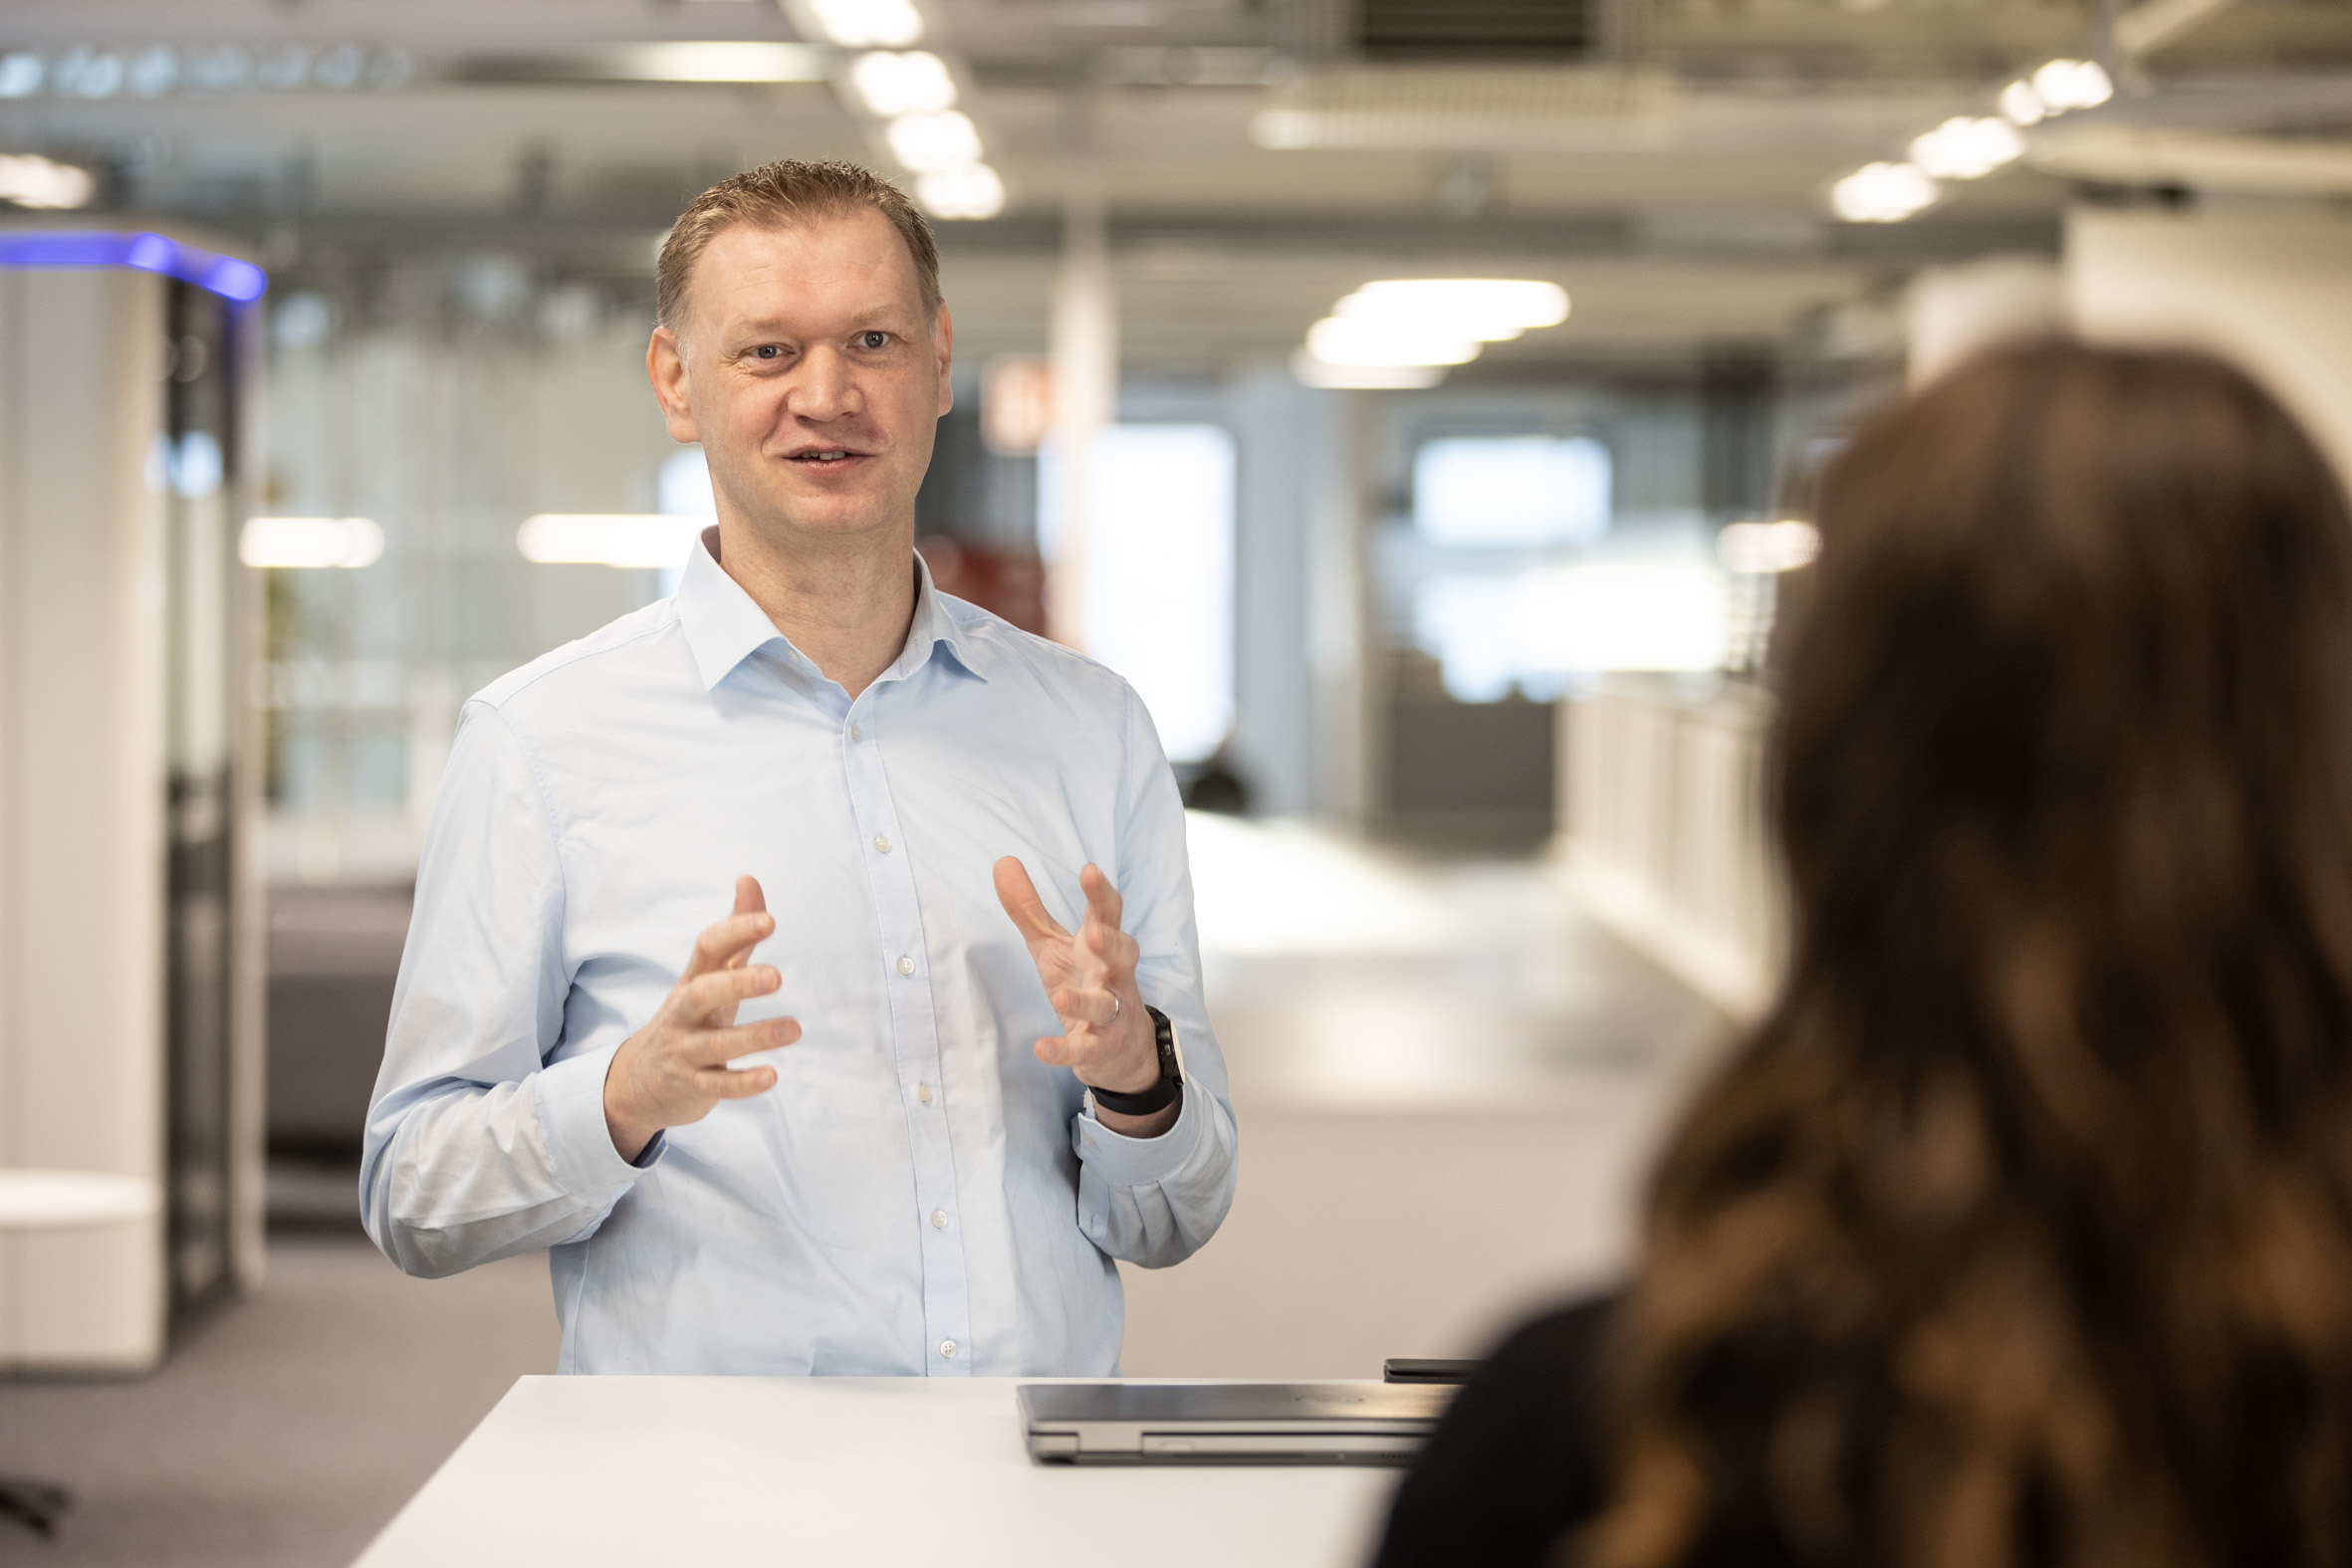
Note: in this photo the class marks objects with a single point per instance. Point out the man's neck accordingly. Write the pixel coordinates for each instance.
(846, 604)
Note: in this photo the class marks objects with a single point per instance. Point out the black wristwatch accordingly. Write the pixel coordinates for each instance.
(1161, 1094)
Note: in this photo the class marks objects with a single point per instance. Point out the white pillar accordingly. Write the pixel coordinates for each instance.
(1084, 345)
(2270, 290)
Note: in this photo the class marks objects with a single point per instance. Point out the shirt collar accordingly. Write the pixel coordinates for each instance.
(724, 625)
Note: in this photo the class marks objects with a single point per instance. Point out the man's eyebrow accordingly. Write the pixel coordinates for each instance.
(857, 322)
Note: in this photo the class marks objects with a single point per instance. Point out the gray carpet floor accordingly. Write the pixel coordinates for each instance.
(287, 1431)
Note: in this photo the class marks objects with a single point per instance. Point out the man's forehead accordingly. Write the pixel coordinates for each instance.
(853, 261)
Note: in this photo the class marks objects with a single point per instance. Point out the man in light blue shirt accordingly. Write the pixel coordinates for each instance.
(948, 1057)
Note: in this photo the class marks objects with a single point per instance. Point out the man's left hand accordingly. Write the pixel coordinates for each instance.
(1107, 1038)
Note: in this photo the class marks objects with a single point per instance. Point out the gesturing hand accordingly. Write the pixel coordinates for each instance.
(1089, 976)
(674, 1070)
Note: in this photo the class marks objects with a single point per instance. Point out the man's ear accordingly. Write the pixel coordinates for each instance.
(943, 335)
(665, 367)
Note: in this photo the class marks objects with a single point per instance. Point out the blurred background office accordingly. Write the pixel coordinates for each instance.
(1416, 399)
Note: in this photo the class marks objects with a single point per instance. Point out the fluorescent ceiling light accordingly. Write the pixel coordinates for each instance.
(2022, 105)
(606, 538)
(972, 191)
(1487, 308)
(930, 142)
(1882, 193)
(868, 23)
(916, 83)
(309, 541)
(2073, 83)
(31, 180)
(1965, 148)
(1758, 547)
(720, 62)
(1385, 340)
(1310, 371)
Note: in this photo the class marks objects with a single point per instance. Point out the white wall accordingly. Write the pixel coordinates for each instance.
(2271, 288)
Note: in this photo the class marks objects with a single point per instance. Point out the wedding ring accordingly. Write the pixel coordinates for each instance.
(1115, 1008)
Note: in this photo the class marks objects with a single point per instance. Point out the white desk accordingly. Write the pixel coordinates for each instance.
(905, 1472)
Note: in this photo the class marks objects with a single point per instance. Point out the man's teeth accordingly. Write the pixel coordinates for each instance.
(824, 457)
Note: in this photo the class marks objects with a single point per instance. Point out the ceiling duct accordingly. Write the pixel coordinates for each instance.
(1474, 29)
(2201, 161)
(1492, 108)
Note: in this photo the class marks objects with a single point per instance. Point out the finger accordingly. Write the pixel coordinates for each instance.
(716, 1048)
(1018, 895)
(749, 900)
(1103, 904)
(1056, 1050)
(1098, 1008)
(719, 945)
(721, 1083)
(706, 994)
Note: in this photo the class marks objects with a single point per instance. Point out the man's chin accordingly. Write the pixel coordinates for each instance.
(815, 519)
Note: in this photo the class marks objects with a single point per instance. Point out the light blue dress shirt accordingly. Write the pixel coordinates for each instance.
(918, 1194)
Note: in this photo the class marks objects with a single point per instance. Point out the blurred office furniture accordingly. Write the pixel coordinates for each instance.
(129, 985)
(1464, 775)
(1662, 831)
(54, 1202)
(1007, 581)
(620, 1472)
(333, 954)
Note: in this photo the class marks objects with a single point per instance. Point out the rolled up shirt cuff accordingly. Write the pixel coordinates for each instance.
(1137, 1162)
(579, 1142)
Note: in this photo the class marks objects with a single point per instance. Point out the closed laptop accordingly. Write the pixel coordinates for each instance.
(1230, 1423)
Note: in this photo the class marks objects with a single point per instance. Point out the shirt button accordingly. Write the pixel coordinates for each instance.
(923, 1093)
(938, 1219)
(906, 966)
(947, 1348)
(855, 733)
(881, 844)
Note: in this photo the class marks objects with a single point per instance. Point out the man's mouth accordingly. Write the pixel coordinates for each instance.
(825, 457)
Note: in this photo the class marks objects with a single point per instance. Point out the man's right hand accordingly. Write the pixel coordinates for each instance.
(674, 1070)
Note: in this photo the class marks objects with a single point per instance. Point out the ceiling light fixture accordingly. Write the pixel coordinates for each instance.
(607, 538)
(310, 543)
(1882, 193)
(1963, 147)
(915, 82)
(29, 180)
(2064, 85)
(929, 143)
(1487, 309)
(866, 24)
(1398, 333)
(1310, 371)
(973, 190)
(1364, 341)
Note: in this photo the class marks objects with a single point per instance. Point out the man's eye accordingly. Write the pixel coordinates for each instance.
(873, 340)
(766, 352)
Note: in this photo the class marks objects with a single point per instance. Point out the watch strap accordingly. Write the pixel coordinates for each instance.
(1161, 1094)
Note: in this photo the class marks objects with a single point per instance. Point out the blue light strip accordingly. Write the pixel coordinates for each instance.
(225, 276)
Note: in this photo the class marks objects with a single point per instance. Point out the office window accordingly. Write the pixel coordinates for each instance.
(1159, 574)
(1525, 491)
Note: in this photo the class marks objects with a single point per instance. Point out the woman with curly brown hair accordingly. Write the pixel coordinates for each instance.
(2019, 1234)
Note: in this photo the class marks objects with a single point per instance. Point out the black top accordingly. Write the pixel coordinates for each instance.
(1519, 1458)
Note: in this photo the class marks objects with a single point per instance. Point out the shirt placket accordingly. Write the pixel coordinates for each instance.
(914, 1034)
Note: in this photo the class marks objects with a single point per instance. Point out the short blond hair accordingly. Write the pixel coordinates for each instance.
(778, 195)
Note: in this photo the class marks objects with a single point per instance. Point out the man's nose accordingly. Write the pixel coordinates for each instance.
(826, 386)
